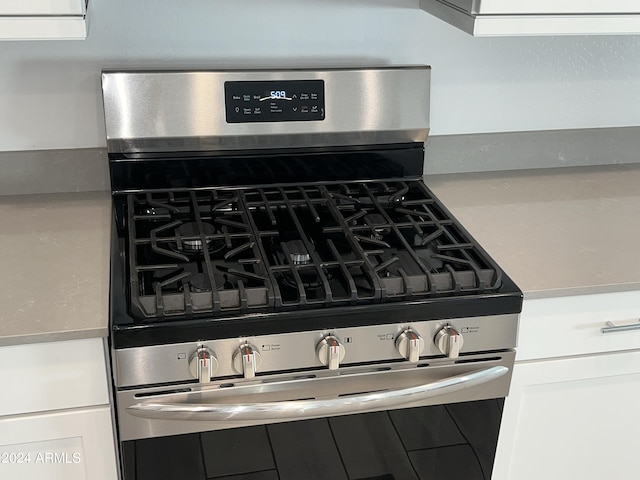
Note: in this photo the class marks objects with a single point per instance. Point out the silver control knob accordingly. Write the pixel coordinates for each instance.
(449, 341)
(247, 360)
(330, 352)
(410, 345)
(203, 364)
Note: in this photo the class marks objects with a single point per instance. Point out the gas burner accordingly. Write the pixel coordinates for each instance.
(194, 242)
(200, 282)
(378, 225)
(309, 278)
(298, 252)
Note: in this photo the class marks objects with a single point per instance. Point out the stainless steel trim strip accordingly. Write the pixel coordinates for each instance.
(612, 328)
(185, 110)
(313, 408)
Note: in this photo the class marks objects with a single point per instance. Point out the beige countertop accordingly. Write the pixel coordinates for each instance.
(54, 267)
(556, 232)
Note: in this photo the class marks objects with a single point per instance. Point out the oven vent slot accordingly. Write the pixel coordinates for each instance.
(366, 370)
(479, 360)
(162, 392)
(366, 392)
(288, 379)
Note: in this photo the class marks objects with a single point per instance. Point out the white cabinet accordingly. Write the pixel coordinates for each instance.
(572, 410)
(55, 417)
(72, 444)
(538, 17)
(43, 19)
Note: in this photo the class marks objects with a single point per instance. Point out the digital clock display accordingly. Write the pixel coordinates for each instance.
(274, 101)
(278, 95)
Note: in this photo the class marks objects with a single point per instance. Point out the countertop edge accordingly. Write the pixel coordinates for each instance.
(59, 336)
(581, 291)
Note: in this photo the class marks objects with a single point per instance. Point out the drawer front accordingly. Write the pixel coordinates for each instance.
(68, 445)
(51, 376)
(553, 7)
(564, 326)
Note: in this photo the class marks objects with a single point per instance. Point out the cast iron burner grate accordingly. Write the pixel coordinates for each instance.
(287, 247)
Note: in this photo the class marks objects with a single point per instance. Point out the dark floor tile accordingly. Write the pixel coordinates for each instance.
(447, 463)
(479, 421)
(269, 475)
(379, 477)
(128, 459)
(306, 450)
(169, 458)
(236, 451)
(370, 447)
(426, 427)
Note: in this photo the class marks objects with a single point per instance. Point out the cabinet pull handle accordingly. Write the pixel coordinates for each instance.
(611, 328)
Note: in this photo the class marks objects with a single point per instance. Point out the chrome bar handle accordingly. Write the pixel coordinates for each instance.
(299, 409)
(611, 327)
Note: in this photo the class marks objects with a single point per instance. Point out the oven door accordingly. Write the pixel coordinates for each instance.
(435, 421)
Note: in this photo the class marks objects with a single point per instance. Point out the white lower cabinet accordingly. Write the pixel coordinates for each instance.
(55, 418)
(573, 411)
(72, 444)
(574, 418)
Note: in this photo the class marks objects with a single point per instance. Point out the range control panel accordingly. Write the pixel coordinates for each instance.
(274, 101)
(330, 349)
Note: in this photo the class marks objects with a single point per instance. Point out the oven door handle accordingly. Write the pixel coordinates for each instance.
(300, 409)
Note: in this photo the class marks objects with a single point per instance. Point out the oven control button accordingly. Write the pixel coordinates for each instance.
(203, 364)
(410, 345)
(330, 352)
(449, 341)
(247, 360)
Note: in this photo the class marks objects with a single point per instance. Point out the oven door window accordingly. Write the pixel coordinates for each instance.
(442, 442)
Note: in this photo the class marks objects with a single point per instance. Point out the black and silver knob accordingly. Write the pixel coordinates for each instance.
(449, 341)
(247, 360)
(410, 345)
(330, 352)
(203, 364)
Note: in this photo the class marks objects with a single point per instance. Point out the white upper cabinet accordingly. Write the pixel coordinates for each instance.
(538, 17)
(43, 19)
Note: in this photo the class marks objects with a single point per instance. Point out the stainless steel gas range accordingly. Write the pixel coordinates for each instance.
(288, 298)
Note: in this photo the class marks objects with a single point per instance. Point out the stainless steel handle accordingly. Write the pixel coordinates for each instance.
(299, 409)
(611, 328)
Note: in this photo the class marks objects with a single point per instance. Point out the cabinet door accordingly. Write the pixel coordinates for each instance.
(538, 17)
(574, 418)
(65, 445)
(42, 7)
(547, 7)
(43, 19)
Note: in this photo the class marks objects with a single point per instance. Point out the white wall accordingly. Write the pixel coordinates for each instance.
(50, 91)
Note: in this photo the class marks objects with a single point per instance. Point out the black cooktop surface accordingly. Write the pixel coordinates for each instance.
(228, 261)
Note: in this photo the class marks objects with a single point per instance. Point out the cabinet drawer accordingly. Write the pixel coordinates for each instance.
(67, 445)
(550, 7)
(558, 327)
(51, 376)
